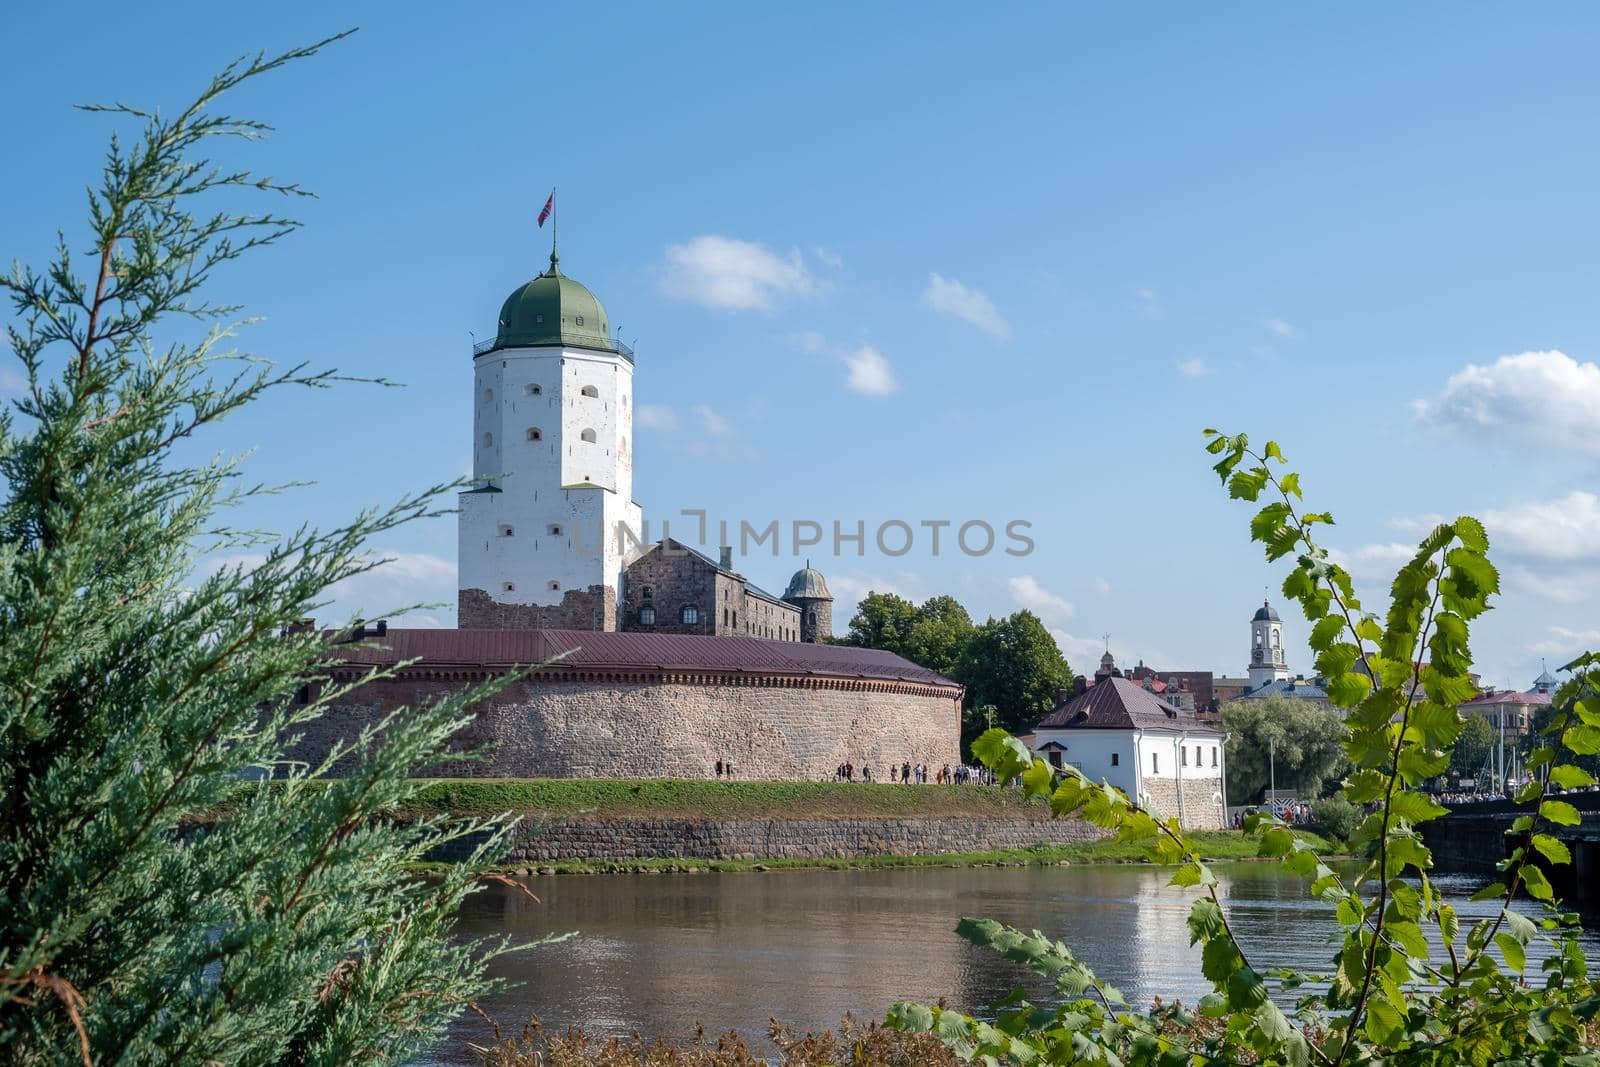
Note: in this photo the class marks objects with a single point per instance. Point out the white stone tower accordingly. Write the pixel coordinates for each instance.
(1266, 648)
(552, 433)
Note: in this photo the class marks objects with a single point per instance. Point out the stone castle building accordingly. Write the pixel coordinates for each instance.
(661, 662)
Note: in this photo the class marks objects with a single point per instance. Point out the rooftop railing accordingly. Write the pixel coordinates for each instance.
(610, 344)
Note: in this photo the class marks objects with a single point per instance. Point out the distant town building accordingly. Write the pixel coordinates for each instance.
(1511, 710)
(1150, 748)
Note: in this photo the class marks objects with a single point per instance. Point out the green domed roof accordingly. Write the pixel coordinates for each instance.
(807, 582)
(553, 310)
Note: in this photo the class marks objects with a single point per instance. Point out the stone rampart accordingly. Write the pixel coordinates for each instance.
(775, 729)
(617, 840)
(594, 608)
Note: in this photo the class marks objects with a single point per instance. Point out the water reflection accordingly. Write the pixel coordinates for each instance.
(658, 953)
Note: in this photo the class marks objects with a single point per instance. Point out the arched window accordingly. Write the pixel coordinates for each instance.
(534, 434)
(811, 617)
(488, 439)
(589, 390)
(555, 587)
(508, 587)
(647, 616)
(554, 529)
(534, 390)
(507, 531)
(690, 615)
(588, 435)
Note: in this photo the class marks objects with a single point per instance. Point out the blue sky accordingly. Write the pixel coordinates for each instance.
(953, 266)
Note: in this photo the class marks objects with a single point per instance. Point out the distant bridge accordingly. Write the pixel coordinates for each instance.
(1472, 838)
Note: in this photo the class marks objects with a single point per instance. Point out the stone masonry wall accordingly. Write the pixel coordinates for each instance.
(1201, 808)
(594, 608)
(792, 731)
(601, 840)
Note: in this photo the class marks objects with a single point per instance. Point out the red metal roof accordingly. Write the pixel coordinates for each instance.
(1508, 696)
(672, 652)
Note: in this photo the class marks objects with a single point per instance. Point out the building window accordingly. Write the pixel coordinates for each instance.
(534, 390)
(555, 587)
(724, 616)
(1213, 755)
(588, 435)
(555, 529)
(1115, 758)
(649, 593)
(1199, 757)
(589, 390)
(507, 531)
(1183, 755)
(690, 615)
(647, 616)
(488, 395)
(508, 587)
(1055, 759)
(488, 440)
(579, 320)
(534, 434)
(1155, 763)
(811, 617)
(538, 320)
(736, 620)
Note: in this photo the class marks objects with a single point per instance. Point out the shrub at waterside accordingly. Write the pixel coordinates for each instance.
(146, 688)
(1389, 997)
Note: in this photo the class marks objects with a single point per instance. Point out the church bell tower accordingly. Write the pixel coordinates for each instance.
(1266, 647)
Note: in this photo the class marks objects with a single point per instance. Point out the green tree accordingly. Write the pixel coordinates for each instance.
(161, 900)
(1014, 665)
(882, 620)
(939, 634)
(1301, 739)
(1476, 741)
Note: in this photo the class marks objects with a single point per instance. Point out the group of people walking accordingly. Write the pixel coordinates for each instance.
(920, 774)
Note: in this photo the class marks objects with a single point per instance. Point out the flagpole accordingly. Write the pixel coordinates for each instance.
(555, 219)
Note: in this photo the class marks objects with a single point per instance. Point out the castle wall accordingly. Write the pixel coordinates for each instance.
(792, 729)
(594, 608)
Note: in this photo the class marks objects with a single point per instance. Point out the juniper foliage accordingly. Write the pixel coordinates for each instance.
(1409, 983)
(141, 696)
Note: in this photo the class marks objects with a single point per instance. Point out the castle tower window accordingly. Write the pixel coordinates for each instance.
(588, 435)
(534, 390)
(649, 593)
(534, 434)
(579, 319)
(488, 395)
(508, 587)
(507, 531)
(555, 529)
(589, 390)
(690, 615)
(488, 440)
(647, 616)
(555, 587)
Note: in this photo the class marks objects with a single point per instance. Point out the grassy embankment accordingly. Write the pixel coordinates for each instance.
(541, 799)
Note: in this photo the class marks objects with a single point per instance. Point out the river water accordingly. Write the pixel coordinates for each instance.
(660, 953)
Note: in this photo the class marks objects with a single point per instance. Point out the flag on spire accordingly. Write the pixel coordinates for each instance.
(549, 205)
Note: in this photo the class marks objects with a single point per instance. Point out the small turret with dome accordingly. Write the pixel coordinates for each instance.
(808, 591)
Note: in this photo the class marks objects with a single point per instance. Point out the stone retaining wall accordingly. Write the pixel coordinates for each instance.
(608, 840)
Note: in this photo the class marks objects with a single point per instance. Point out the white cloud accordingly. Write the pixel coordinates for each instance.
(656, 417)
(733, 275)
(828, 258)
(1028, 593)
(712, 422)
(1565, 529)
(1083, 653)
(1193, 368)
(868, 372)
(1102, 587)
(1535, 398)
(1565, 644)
(1374, 561)
(949, 297)
(1147, 303)
(403, 579)
(1279, 327)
